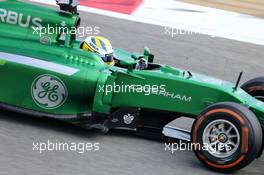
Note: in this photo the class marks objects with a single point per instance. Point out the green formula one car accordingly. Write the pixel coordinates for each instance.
(50, 76)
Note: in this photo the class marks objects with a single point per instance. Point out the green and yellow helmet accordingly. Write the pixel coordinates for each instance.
(101, 46)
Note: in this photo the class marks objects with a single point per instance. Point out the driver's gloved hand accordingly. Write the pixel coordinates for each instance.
(141, 64)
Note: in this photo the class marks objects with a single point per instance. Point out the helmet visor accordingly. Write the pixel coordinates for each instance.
(108, 58)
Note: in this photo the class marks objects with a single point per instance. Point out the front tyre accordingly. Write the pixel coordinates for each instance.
(226, 137)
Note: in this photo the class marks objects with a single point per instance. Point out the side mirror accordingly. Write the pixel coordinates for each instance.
(148, 55)
(146, 51)
(150, 58)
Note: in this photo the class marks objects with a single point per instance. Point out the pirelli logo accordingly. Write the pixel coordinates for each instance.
(14, 18)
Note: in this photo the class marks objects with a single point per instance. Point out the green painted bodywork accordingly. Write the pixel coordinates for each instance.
(183, 93)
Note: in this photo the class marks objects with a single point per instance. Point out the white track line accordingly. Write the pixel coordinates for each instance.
(198, 19)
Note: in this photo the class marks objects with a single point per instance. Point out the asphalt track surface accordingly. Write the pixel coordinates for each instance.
(121, 152)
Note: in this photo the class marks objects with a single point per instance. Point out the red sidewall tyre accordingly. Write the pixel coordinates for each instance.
(248, 127)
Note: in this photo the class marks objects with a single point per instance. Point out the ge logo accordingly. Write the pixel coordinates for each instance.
(128, 119)
(49, 92)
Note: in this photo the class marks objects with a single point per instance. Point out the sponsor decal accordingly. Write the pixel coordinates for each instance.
(175, 96)
(14, 18)
(49, 92)
(45, 40)
(128, 119)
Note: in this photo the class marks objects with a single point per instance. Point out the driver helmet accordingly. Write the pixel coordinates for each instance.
(100, 46)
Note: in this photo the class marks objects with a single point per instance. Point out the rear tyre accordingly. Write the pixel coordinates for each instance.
(255, 87)
(226, 137)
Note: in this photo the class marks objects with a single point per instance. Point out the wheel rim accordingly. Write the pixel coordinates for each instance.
(221, 138)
